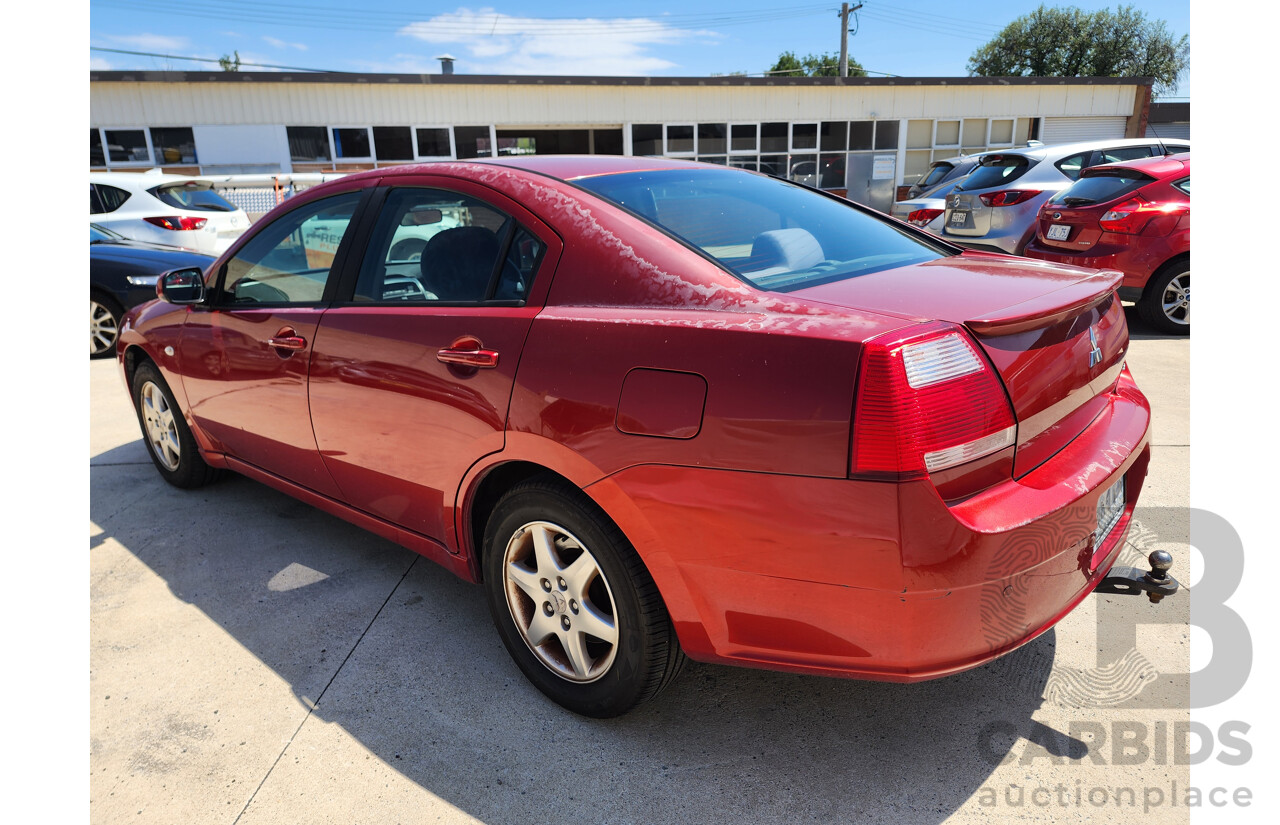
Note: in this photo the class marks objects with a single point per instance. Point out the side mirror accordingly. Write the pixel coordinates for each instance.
(181, 286)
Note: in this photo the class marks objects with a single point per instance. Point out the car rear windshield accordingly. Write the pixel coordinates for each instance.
(995, 170)
(1102, 187)
(193, 196)
(771, 233)
(936, 173)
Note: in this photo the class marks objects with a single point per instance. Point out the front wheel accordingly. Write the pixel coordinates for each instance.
(169, 441)
(1166, 305)
(104, 326)
(574, 604)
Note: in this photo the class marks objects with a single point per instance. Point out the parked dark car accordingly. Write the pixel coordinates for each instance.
(123, 274)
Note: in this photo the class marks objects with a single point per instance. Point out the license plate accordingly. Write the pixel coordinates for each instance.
(1110, 508)
(958, 217)
(1058, 232)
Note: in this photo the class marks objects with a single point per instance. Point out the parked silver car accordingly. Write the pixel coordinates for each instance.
(926, 211)
(943, 171)
(994, 208)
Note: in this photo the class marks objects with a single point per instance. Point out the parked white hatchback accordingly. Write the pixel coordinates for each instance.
(166, 209)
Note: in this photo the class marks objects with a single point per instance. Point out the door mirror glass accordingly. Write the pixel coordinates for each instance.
(181, 286)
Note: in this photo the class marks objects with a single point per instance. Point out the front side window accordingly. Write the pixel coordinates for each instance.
(432, 246)
(773, 234)
(288, 262)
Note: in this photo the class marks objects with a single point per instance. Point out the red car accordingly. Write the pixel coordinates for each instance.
(664, 409)
(1134, 217)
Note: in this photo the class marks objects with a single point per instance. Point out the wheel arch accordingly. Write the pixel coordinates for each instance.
(1181, 257)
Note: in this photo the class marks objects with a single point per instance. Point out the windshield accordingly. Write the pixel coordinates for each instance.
(771, 233)
(995, 170)
(193, 195)
(99, 234)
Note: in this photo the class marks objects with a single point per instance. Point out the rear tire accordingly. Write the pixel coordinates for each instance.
(1166, 302)
(573, 603)
(164, 430)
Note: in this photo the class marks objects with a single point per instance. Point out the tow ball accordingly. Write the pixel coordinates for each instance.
(1130, 581)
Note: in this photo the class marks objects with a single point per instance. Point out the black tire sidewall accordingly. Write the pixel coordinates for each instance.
(191, 470)
(117, 313)
(624, 685)
(1151, 308)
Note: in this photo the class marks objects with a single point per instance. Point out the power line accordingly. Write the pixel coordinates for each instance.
(204, 59)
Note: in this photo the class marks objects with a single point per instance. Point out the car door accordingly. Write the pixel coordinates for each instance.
(244, 360)
(412, 372)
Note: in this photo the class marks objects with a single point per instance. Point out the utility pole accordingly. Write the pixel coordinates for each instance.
(844, 37)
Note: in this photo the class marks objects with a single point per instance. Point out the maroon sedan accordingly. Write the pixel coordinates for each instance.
(1134, 217)
(664, 409)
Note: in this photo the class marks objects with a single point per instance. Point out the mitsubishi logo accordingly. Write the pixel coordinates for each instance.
(1095, 354)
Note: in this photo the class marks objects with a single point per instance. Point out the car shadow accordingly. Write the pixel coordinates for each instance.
(1140, 330)
(423, 682)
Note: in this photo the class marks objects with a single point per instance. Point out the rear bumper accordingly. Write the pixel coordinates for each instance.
(877, 580)
(1137, 268)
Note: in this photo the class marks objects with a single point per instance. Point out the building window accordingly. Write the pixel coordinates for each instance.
(432, 143)
(351, 144)
(743, 137)
(834, 137)
(472, 141)
(947, 133)
(1001, 132)
(96, 156)
(308, 144)
(392, 142)
(174, 145)
(804, 136)
(679, 140)
(713, 139)
(773, 137)
(606, 141)
(886, 135)
(127, 146)
(646, 139)
(861, 135)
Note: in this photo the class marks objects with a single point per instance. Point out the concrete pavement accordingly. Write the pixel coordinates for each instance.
(254, 660)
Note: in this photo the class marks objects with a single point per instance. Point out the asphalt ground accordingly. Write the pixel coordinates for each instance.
(254, 660)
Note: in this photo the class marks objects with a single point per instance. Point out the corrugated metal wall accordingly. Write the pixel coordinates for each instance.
(120, 103)
(1073, 129)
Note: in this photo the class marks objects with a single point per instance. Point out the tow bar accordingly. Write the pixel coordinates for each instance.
(1130, 581)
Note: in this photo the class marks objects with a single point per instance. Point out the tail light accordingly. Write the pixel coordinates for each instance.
(923, 217)
(1132, 216)
(1008, 197)
(177, 224)
(926, 401)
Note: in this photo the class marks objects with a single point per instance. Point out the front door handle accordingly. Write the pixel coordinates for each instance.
(468, 352)
(287, 340)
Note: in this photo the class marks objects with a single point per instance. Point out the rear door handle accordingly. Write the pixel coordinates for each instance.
(469, 353)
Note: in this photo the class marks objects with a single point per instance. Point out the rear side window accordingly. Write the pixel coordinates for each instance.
(432, 246)
(1122, 154)
(1074, 165)
(1101, 188)
(995, 170)
(112, 198)
(192, 196)
(1183, 185)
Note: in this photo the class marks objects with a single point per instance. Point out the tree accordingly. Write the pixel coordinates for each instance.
(813, 65)
(230, 64)
(1071, 42)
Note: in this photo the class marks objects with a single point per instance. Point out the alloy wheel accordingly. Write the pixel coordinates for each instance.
(102, 328)
(162, 432)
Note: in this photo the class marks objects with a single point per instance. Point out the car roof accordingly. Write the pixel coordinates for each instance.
(1159, 167)
(1064, 150)
(563, 167)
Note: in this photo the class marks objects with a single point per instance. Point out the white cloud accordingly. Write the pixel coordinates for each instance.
(150, 42)
(97, 64)
(529, 45)
(283, 44)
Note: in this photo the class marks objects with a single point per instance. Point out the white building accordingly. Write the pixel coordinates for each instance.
(863, 135)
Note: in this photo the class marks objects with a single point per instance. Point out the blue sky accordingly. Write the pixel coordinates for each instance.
(694, 37)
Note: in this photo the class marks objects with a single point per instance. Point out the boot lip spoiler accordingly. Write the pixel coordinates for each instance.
(1069, 301)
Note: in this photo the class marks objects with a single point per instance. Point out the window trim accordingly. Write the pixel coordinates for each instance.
(756, 150)
(417, 152)
(127, 164)
(333, 145)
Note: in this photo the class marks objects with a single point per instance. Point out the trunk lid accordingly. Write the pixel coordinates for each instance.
(1080, 232)
(1056, 334)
